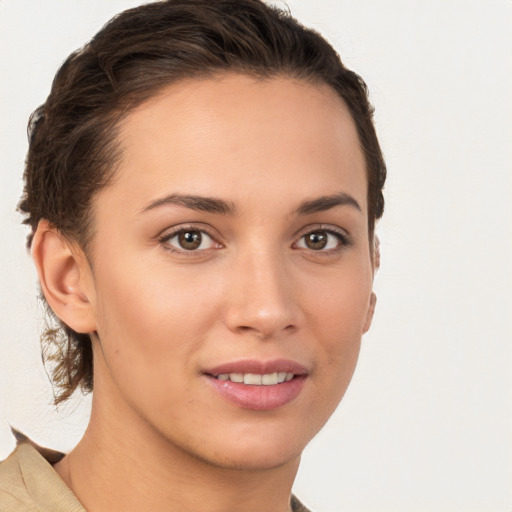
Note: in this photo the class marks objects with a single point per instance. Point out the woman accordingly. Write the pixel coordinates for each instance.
(202, 187)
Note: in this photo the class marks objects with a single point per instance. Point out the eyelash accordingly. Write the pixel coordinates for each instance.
(342, 237)
(165, 239)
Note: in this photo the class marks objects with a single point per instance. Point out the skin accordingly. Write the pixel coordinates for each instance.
(160, 437)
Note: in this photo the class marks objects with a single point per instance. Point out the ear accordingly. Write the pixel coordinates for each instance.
(65, 277)
(373, 297)
(370, 312)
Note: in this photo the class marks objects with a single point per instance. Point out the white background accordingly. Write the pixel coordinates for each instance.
(427, 422)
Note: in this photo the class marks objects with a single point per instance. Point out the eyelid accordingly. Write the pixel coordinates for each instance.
(343, 236)
(168, 234)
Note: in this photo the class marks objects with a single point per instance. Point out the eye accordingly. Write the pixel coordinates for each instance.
(189, 240)
(322, 240)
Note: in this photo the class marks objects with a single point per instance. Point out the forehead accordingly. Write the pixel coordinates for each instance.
(231, 134)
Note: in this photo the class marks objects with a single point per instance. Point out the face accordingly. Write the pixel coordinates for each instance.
(231, 269)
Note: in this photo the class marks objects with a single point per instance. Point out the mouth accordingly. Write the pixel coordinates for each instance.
(256, 385)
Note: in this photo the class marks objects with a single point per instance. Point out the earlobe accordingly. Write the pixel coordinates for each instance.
(65, 277)
(369, 314)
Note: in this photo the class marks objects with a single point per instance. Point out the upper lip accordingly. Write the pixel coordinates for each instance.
(258, 367)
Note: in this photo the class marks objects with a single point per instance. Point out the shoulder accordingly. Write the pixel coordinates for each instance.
(13, 492)
(297, 506)
(28, 483)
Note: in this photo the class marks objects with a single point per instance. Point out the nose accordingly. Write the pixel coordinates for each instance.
(262, 297)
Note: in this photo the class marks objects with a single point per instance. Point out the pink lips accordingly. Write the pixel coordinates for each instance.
(258, 397)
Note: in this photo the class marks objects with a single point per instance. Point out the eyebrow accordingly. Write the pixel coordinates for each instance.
(324, 203)
(219, 206)
(200, 203)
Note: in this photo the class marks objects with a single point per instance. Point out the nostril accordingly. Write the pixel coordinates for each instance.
(265, 333)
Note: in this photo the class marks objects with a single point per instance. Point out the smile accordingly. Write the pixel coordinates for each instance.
(258, 385)
(255, 379)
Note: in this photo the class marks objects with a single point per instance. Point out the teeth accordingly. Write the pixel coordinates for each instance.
(269, 379)
(255, 379)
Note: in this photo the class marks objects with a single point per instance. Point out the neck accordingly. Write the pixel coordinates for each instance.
(127, 465)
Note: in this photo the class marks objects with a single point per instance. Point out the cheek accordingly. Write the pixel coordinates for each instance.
(339, 303)
(337, 315)
(149, 316)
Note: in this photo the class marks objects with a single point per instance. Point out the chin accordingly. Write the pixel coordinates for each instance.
(255, 449)
(253, 459)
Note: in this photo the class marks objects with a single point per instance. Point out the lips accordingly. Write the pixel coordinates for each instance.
(258, 385)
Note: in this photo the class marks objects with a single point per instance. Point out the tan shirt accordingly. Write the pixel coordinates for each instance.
(28, 483)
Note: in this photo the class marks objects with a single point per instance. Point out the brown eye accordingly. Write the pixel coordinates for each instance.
(316, 240)
(190, 240)
(323, 240)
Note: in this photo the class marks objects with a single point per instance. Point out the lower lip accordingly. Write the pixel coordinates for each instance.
(259, 398)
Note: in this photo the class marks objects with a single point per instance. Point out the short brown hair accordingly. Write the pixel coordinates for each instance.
(72, 151)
